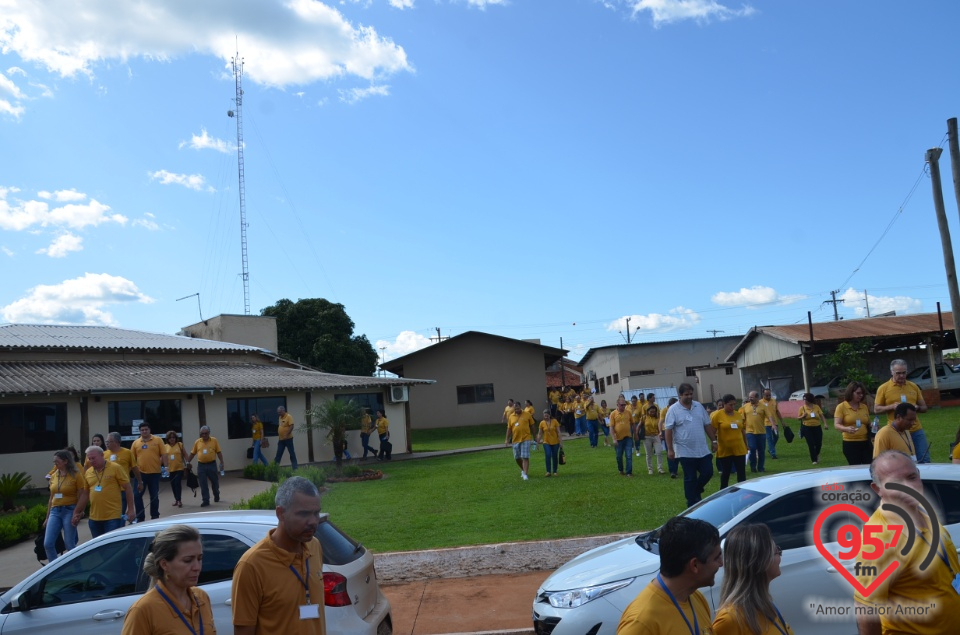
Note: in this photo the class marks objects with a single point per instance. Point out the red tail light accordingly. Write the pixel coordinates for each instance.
(335, 590)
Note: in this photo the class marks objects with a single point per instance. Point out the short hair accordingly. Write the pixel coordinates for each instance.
(885, 456)
(294, 485)
(728, 398)
(144, 425)
(899, 362)
(809, 397)
(93, 448)
(204, 429)
(682, 539)
(650, 394)
(852, 387)
(166, 546)
(903, 408)
(114, 436)
(672, 401)
(173, 432)
(684, 387)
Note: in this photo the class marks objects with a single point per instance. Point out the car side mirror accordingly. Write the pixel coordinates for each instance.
(21, 601)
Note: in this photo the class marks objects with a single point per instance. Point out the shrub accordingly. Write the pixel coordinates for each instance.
(275, 473)
(264, 500)
(316, 475)
(256, 472)
(16, 527)
(10, 486)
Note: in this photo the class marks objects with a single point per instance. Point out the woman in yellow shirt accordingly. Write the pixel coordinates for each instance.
(173, 455)
(605, 422)
(812, 425)
(852, 418)
(256, 429)
(751, 561)
(731, 440)
(549, 437)
(66, 483)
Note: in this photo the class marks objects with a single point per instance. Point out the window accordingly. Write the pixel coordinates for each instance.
(728, 370)
(603, 388)
(34, 427)
(616, 378)
(789, 518)
(692, 370)
(371, 401)
(111, 570)
(239, 411)
(609, 380)
(636, 373)
(949, 494)
(160, 414)
(220, 556)
(479, 393)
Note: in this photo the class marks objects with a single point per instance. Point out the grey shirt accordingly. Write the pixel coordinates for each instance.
(689, 437)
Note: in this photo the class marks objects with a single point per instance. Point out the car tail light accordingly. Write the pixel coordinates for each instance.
(335, 590)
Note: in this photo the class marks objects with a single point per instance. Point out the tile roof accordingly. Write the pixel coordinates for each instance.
(104, 338)
(397, 362)
(33, 377)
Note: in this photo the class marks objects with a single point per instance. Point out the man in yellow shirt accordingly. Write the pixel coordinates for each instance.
(896, 391)
(896, 434)
(148, 455)
(383, 432)
(207, 451)
(278, 582)
(518, 433)
(116, 453)
(773, 422)
(592, 413)
(756, 419)
(622, 430)
(690, 557)
(285, 437)
(106, 483)
(910, 586)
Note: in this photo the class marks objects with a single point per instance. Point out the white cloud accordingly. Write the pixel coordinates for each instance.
(675, 319)
(483, 4)
(285, 42)
(753, 297)
(401, 4)
(147, 222)
(6, 250)
(205, 142)
(853, 299)
(353, 95)
(190, 181)
(61, 196)
(669, 11)
(22, 215)
(406, 342)
(63, 245)
(8, 87)
(16, 70)
(78, 301)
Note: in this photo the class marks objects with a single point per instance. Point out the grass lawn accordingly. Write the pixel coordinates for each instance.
(455, 438)
(479, 498)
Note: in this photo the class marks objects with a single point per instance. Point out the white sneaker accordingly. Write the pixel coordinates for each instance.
(524, 476)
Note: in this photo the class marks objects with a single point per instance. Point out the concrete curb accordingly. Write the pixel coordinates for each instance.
(497, 559)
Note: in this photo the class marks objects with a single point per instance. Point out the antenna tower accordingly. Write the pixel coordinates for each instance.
(238, 77)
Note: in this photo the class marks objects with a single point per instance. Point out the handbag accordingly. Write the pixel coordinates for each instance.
(264, 442)
(562, 458)
(788, 433)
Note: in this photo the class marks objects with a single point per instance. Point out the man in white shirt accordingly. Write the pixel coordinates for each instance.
(686, 427)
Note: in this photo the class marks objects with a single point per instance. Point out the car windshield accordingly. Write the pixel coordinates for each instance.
(718, 510)
(917, 372)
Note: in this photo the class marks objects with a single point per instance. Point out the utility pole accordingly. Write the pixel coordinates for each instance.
(628, 330)
(563, 373)
(866, 300)
(245, 272)
(933, 159)
(834, 301)
(954, 157)
(382, 357)
(714, 331)
(438, 338)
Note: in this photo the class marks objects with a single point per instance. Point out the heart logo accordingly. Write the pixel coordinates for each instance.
(859, 513)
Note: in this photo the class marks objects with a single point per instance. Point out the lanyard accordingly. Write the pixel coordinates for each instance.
(179, 614)
(306, 585)
(59, 480)
(782, 621)
(99, 475)
(907, 441)
(695, 629)
(941, 550)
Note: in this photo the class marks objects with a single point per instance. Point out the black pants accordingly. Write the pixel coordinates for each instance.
(569, 424)
(175, 484)
(728, 464)
(813, 435)
(858, 452)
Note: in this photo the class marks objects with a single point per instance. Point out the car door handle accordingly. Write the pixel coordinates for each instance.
(228, 601)
(106, 616)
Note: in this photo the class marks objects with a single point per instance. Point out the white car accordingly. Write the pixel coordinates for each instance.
(89, 589)
(822, 387)
(590, 593)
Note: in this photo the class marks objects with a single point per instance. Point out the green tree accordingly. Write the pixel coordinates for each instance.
(334, 417)
(850, 362)
(319, 333)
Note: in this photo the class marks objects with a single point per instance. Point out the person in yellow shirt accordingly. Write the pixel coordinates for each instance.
(622, 430)
(751, 561)
(285, 437)
(207, 450)
(366, 429)
(757, 420)
(852, 418)
(773, 422)
(896, 391)
(123, 457)
(518, 433)
(66, 484)
(256, 440)
(896, 434)
(812, 425)
(174, 452)
(149, 459)
(383, 432)
(549, 437)
(554, 396)
(671, 603)
(579, 416)
(605, 422)
(731, 440)
(651, 436)
(567, 420)
(106, 483)
(910, 585)
(591, 413)
(673, 465)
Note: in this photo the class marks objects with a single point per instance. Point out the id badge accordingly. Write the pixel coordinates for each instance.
(813, 415)
(858, 424)
(113, 457)
(204, 450)
(309, 611)
(733, 426)
(144, 446)
(956, 583)
(98, 488)
(173, 457)
(58, 495)
(903, 399)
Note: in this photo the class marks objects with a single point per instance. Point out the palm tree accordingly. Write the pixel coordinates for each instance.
(334, 417)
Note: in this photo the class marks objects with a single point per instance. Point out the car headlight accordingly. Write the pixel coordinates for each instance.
(573, 598)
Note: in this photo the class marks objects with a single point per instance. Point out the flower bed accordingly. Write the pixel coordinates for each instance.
(365, 475)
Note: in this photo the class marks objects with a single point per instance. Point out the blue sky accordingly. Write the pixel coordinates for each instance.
(531, 169)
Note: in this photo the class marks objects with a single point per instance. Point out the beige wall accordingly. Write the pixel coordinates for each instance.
(252, 330)
(516, 371)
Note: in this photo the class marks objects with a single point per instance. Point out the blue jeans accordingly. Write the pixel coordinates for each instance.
(921, 446)
(176, 480)
(757, 456)
(772, 441)
(100, 527)
(696, 474)
(288, 445)
(673, 465)
(258, 453)
(593, 429)
(581, 425)
(365, 442)
(152, 486)
(60, 520)
(137, 500)
(551, 454)
(625, 446)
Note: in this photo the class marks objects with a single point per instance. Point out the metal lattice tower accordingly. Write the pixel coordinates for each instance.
(238, 77)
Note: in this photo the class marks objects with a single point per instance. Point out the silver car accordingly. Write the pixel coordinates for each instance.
(90, 588)
(590, 593)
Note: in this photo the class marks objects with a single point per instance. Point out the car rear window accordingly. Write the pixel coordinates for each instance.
(338, 547)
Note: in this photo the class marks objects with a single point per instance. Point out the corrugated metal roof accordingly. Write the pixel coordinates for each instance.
(65, 337)
(589, 353)
(24, 378)
(397, 362)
